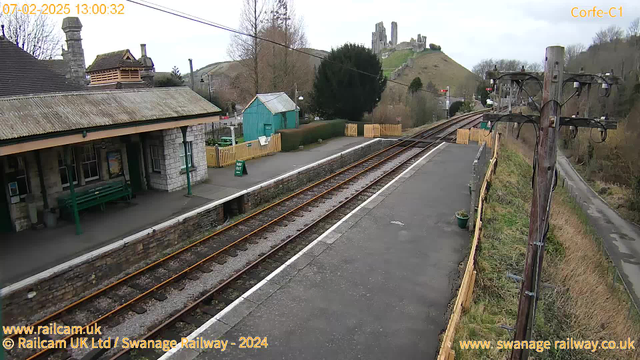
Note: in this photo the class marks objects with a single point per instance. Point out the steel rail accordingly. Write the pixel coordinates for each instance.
(68, 307)
(433, 129)
(208, 295)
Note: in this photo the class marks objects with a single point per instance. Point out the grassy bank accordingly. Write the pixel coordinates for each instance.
(580, 301)
(617, 196)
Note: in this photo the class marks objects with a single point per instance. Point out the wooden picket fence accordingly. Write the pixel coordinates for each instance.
(462, 136)
(377, 130)
(465, 293)
(226, 156)
(351, 130)
(372, 130)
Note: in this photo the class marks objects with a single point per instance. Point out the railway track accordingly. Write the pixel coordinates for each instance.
(133, 294)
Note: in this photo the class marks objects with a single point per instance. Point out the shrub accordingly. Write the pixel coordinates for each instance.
(310, 133)
(454, 107)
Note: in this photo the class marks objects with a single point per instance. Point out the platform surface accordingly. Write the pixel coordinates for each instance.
(376, 287)
(29, 252)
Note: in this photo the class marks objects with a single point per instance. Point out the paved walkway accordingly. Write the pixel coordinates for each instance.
(619, 235)
(222, 183)
(375, 287)
(29, 252)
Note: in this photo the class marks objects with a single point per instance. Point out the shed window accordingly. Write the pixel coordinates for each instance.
(189, 155)
(62, 169)
(89, 163)
(156, 157)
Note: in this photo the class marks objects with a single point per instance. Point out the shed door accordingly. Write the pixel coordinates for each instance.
(268, 130)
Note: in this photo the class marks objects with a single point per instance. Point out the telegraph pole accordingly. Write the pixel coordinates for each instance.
(544, 177)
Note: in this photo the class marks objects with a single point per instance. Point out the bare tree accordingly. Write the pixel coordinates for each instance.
(284, 68)
(482, 67)
(505, 65)
(634, 28)
(36, 34)
(611, 34)
(534, 67)
(571, 52)
(246, 49)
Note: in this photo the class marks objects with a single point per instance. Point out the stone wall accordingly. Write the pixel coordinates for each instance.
(281, 187)
(173, 147)
(94, 271)
(85, 277)
(157, 179)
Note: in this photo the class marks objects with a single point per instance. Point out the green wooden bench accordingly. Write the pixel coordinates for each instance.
(96, 196)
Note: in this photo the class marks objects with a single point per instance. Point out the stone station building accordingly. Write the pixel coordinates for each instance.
(132, 136)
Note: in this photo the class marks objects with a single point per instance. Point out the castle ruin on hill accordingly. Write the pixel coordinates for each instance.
(379, 41)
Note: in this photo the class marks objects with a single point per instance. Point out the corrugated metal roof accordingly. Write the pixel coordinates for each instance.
(276, 102)
(22, 116)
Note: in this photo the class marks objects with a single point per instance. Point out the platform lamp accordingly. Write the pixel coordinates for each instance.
(297, 97)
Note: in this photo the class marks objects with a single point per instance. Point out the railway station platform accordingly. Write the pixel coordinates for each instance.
(374, 286)
(30, 252)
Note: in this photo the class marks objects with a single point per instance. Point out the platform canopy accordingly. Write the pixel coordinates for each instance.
(54, 119)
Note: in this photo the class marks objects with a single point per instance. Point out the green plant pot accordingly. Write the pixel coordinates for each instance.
(462, 221)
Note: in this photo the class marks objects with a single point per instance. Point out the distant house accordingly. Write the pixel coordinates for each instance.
(120, 69)
(268, 113)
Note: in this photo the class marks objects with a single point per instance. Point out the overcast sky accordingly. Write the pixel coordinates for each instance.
(468, 30)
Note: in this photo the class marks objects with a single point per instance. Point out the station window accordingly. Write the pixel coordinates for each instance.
(156, 157)
(89, 162)
(62, 169)
(17, 177)
(189, 155)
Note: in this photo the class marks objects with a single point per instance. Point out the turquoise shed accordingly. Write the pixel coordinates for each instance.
(268, 113)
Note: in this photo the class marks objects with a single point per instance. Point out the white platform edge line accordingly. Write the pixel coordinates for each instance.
(121, 243)
(257, 286)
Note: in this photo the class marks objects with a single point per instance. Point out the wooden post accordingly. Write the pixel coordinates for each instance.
(43, 186)
(541, 200)
(217, 154)
(68, 159)
(469, 295)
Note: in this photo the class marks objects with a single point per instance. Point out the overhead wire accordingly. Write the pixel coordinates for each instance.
(190, 17)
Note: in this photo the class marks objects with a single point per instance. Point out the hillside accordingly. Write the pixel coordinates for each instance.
(230, 69)
(434, 66)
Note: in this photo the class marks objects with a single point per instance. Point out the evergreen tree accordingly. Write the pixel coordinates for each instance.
(340, 91)
(174, 79)
(416, 85)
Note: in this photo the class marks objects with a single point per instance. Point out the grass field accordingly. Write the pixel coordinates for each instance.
(434, 66)
(580, 299)
(396, 59)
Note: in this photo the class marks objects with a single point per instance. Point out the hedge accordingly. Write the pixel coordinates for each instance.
(310, 133)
